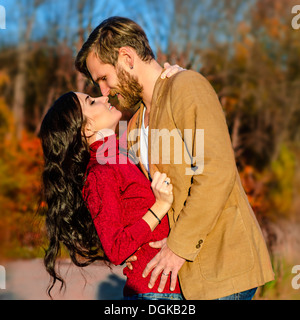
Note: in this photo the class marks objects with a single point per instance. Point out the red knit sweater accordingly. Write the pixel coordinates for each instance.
(118, 195)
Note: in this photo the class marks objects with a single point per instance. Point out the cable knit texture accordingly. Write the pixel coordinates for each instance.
(118, 195)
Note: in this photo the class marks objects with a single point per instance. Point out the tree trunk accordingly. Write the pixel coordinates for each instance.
(20, 81)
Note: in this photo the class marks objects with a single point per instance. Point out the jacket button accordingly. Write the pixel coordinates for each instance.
(199, 244)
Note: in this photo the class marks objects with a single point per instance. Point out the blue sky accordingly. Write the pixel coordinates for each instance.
(154, 16)
(162, 22)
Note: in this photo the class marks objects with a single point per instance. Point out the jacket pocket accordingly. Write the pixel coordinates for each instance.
(227, 251)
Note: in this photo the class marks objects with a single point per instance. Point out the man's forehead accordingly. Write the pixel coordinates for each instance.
(93, 59)
(96, 67)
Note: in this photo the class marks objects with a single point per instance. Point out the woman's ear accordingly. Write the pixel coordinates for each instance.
(86, 128)
(126, 58)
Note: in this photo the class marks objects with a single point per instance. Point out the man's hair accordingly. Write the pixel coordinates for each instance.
(111, 35)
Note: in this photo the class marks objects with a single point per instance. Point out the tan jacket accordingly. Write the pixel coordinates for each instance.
(212, 224)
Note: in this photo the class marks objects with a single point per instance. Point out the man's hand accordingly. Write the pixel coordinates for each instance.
(165, 261)
(170, 70)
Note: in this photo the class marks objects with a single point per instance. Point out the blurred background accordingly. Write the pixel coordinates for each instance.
(247, 49)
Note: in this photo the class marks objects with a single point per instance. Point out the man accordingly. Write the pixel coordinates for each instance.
(215, 244)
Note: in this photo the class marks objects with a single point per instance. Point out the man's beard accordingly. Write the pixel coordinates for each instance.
(128, 88)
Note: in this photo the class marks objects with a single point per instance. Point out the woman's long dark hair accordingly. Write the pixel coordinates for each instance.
(66, 156)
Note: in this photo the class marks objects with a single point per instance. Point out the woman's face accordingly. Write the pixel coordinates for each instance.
(99, 113)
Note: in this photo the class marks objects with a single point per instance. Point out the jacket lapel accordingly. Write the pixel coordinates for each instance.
(153, 121)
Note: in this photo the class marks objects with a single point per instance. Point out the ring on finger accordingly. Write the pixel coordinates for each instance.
(165, 274)
(167, 182)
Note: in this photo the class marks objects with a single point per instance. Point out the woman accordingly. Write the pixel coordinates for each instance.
(99, 211)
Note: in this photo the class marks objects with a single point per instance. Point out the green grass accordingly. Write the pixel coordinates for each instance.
(281, 288)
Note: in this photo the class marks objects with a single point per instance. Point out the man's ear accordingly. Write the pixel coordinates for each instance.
(126, 57)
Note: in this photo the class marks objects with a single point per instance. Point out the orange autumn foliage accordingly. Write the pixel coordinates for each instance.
(20, 183)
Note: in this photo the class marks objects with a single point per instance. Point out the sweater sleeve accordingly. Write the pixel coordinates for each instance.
(103, 198)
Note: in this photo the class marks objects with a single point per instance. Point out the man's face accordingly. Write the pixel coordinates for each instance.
(115, 81)
(129, 90)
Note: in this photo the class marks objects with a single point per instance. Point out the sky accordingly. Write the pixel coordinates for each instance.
(154, 16)
(2, 17)
(191, 24)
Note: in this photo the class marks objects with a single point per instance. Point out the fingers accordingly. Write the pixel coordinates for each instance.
(154, 275)
(170, 70)
(128, 262)
(163, 280)
(166, 73)
(158, 177)
(158, 244)
(168, 263)
(167, 65)
(155, 179)
(166, 187)
(150, 266)
(131, 259)
(173, 281)
(159, 182)
(162, 190)
(165, 274)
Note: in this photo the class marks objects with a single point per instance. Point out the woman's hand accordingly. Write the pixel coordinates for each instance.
(170, 70)
(162, 189)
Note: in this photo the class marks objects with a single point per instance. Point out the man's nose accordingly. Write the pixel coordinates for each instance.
(104, 99)
(105, 89)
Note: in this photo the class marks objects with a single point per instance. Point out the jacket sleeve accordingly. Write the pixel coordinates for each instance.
(195, 105)
(103, 198)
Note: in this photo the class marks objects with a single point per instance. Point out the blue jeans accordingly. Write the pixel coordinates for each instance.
(155, 296)
(245, 295)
